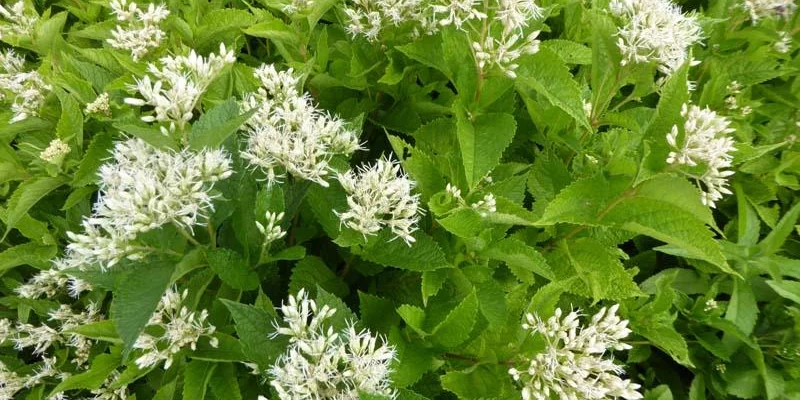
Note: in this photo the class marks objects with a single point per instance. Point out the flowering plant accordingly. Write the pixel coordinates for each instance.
(399, 199)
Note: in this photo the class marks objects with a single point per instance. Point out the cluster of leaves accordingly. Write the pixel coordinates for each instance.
(587, 211)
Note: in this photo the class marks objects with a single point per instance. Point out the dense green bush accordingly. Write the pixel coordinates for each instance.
(410, 199)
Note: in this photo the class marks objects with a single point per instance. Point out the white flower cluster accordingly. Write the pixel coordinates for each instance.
(272, 231)
(326, 365)
(655, 31)
(55, 151)
(107, 391)
(100, 105)
(573, 366)
(176, 86)
(11, 382)
(496, 29)
(704, 143)
(484, 207)
(288, 133)
(26, 89)
(379, 196)
(50, 282)
(139, 30)
(20, 22)
(141, 190)
(180, 326)
(762, 9)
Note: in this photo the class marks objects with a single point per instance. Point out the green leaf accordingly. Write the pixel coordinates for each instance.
(254, 327)
(482, 382)
(568, 51)
(777, 237)
(102, 330)
(151, 135)
(232, 268)
(26, 196)
(312, 271)
(224, 384)
(138, 290)
(545, 73)
(457, 51)
(600, 272)
(521, 259)
(457, 326)
(465, 223)
(786, 289)
(742, 307)
(428, 51)
(70, 125)
(482, 141)
(196, 378)
(343, 316)
(659, 330)
(213, 127)
(412, 362)
(98, 152)
(377, 313)
(30, 253)
(102, 366)
(423, 255)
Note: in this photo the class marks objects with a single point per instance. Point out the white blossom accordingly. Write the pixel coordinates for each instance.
(486, 206)
(106, 391)
(762, 9)
(138, 29)
(68, 319)
(140, 190)
(655, 31)
(11, 383)
(100, 105)
(457, 12)
(272, 231)
(380, 196)
(370, 18)
(288, 134)
(175, 85)
(516, 14)
(572, 365)
(26, 89)
(47, 282)
(321, 363)
(704, 143)
(784, 43)
(55, 151)
(181, 328)
(19, 21)
(504, 53)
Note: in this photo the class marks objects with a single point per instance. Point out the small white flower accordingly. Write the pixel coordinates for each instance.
(55, 151)
(100, 105)
(504, 53)
(710, 305)
(655, 31)
(21, 21)
(138, 30)
(457, 12)
(272, 231)
(181, 328)
(572, 365)
(27, 90)
(784, 43)
(327, 365)
(380, 196)
(704, 144)
(486, 206)
(761, 9)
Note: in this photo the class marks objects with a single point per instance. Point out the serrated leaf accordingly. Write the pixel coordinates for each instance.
(137, 293)
(377, 313)
(786, 289)
(26, 196)
(213, 127)
(232, 268)
(457, 326)
(30, 253)
(151, 135)
(423, 255)
(70, 125)
(482, 382)
(521, 259)
(412, 361)
(312, 271)
(568, 51)
(223, 382)
(482, 141)
(196, 377)
(102, 330)
(413, 317)
(254, 327)
(465, 223)
(98, 152)
(546, 74)
(102, 366)
(600, 272)
(343, 316)
(659, 330)
(777, 237)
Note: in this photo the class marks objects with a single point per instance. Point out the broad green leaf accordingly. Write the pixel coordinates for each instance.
(30, 253)
(377, 313)
(428, 51)
(545, 73)
(422, 255)
(70, 125)
(600, 272)
(568, 51)
(456, 48)
(98, 152)
(228, 349)
(777, 237)
(787, 289)
(521, 259)
(482, 382)
(223, 382)
(138, 290)
(196, 378)
(232, 268)
(412, 361)
(482, 141)
(102, 366)
(102, 330)
(465, 223)
(213, 127)
(742, 307)
(151, 135)
(457, 326)
(312, 271)
(26, 196)
(343, 316)
(659, 330)
(254, 327)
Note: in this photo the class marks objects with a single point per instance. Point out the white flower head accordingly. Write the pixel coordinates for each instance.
(323, 364)
(100, 105)
(27, 90)
(288, 134)
(17, 20)
(380, 196)
(573, 364)
(55, 151)
(181, 328)
(704, 143)
(763, 9)
(138, 30)
(655, 31)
